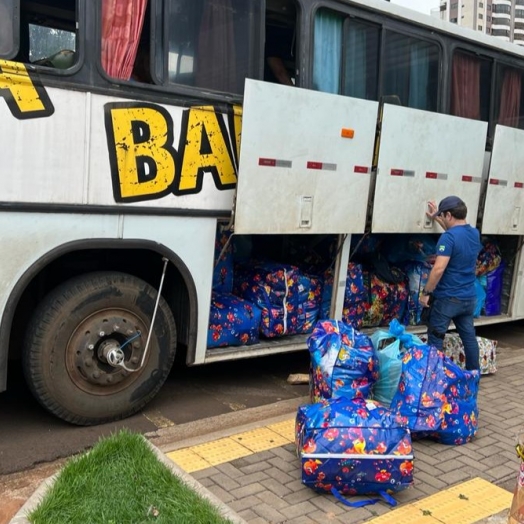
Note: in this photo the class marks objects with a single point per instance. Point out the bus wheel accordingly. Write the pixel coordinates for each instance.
(85, 340)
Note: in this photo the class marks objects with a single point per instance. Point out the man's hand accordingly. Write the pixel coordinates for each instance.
(424, 300)
(432, 209)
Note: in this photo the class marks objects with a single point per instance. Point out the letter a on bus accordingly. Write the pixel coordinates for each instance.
(25, 97)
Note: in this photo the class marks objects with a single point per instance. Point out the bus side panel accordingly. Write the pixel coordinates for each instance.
(43, 159)
(152, 155)
(425, 157)
(193, 240)
(504, 207)
(305, 162)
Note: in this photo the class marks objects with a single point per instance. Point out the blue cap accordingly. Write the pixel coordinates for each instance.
(447, 204)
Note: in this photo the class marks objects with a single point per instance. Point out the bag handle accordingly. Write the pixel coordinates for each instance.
(386, 497)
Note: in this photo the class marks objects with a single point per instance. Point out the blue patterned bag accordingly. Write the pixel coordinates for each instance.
(223, 263)
(289, 300)
(353, 447)
(420, 397)
(343, 362)
(232, 321)
(460, 422)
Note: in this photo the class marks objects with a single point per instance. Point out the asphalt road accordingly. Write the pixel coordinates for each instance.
(29, 435)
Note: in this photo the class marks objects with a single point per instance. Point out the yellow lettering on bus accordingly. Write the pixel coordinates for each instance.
(140, 138)
(236, 129)
(25, 97)
(205, 147)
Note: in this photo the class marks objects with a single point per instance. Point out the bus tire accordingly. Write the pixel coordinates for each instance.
(70, 334)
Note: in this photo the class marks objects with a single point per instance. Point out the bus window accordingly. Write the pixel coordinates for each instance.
(361, 48)
(509, 96)
(280, 42)
(345, 56)
(8, 28)
(411, 71)
(470, 86)
(327, 59)
(212, 44)
(49, 28)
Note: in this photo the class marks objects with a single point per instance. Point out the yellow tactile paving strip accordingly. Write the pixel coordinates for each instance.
(236, 446)
(464, 503)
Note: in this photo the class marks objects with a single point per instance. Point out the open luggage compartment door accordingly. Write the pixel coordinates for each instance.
(425, 157)
(504, 207)
(305, 161)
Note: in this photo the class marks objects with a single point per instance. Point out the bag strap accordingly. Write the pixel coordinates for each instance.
(386, 497)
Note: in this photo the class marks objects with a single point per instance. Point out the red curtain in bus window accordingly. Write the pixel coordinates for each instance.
(510, 99)
(465, 86)
(216, 57)
(122, 23)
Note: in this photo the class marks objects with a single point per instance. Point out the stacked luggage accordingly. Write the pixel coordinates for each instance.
(350, 443)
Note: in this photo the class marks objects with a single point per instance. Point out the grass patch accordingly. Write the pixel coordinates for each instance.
(121, 481)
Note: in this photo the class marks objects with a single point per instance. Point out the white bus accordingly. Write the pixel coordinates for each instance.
(120, 153)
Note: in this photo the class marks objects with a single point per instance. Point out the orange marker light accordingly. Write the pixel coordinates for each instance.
(347, 133)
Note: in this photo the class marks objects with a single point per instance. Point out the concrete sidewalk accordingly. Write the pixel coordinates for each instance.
(254, 469)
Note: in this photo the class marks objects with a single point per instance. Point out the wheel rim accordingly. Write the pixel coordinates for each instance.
(90, 342)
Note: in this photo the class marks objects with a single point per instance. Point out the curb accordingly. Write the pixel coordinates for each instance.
(168, 439)
(33, 501)
(224, 510)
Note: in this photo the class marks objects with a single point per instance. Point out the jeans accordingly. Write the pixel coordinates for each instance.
(443, 311)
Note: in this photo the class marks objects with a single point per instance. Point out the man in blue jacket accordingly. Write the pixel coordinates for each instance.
(451, 284)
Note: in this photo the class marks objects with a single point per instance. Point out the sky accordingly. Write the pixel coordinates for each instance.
(424, 6)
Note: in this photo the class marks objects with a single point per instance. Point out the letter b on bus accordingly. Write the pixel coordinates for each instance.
(143, 161)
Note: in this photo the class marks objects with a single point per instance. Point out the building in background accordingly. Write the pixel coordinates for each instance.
(503, 19)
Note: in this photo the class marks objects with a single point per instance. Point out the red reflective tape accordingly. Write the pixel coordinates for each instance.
(494, 181)
(397, 172)
(271, 162)
(467, 178)
(314, 165)
(361, 169)
(520, 185)
(431, 175)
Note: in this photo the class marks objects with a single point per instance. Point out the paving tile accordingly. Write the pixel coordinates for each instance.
(276, 487)
(285, 454)
(247, 514)
(303, 508)
(269, 513)
(254, 468)
(225, 482)
(244, 503)
(302, 520)
(453, 477)
(420, 476)
(288, 467)
(221, 493)
(229, 470)
(328, 505)
(295, 497)
(273, 500)
(245, 491)
(281, 476)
